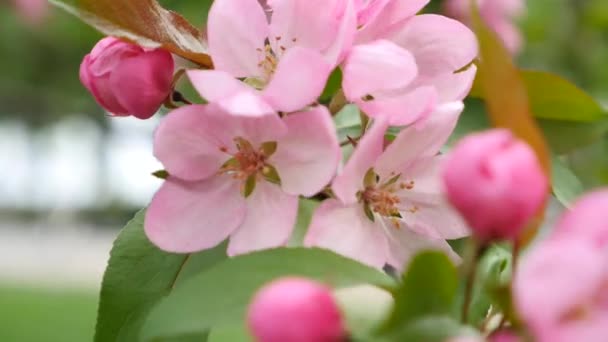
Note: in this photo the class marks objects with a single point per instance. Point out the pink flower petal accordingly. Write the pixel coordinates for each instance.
(142, 83)
(186, 217)
(215, 86)
(433, 211)
(382, 17)
(313, 24)
(555, 278)
(229, 93)
(345, 37)
(415, 142)
(308, 156)
(405, 243)
(189, 140)
(270, 219)
(350, 181)
(373, 68)
(236, 32)
(298, 81)
(440, 46)
(347, 231)
(403, 109)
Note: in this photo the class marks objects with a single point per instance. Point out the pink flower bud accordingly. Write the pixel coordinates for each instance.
(496, 182)
(33, 12)
(587, 219)
(126, 79)
(295, 310)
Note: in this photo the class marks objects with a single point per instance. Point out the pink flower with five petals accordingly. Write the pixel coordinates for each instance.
(405, 65)
(236, 171)
(289, 57)
(388, 202)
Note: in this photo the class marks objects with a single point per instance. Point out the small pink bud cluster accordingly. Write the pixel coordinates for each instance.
(496, 183)
(295, 310)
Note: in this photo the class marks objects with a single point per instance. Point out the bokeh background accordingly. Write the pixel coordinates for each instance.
(71, 176)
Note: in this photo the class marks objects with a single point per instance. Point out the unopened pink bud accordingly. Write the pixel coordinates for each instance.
(33, 12)
(496, 182)
(295, 310)
(127, 80)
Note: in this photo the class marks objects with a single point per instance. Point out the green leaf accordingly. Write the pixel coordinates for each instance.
(348, 122)
(364, 307)
(552, 97)
(305, 211)
(334, 82)
(566, 185)
(493, 267)
(137, 276)
(566, 136)
(429, 288)
(144, 22)
(429, 329)
(219, 297)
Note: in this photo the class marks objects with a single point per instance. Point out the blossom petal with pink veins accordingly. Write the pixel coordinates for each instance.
(308, 156)
(229, 93)
(376, 67)
(416, 141)
(433, 212)
(190, 141)
(439, 44)
(298, 81)
(350, 181)
(236, 31)
(270, 219)
(186, 217)
(404, 244)
(347, 231)
(382, 17)
(312, 24)
(403, 109)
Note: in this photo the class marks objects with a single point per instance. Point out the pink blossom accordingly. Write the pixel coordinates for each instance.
(560, 291)
(587, 219)
(388, 202)
(496, 182)
(127, 80)
(499, 14)
(32, 11)
(295, 310)
(419, 64)
(504, 336)
(288, 58)
(236, 169)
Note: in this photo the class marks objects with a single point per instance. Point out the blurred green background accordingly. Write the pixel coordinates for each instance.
(39, 88)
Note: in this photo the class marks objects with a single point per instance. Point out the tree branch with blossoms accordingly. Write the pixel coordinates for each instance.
(238, 241)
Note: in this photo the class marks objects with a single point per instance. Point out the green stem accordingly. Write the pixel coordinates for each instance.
(470, 275)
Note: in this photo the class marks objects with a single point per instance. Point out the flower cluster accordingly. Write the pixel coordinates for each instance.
(239, 163)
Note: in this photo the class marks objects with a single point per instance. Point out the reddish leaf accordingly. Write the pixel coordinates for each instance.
(506, 97)
(143, 22)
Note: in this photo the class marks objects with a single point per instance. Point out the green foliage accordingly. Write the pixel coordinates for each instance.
(218, 297)
(137, 276)
(566, 185)
(429, 288)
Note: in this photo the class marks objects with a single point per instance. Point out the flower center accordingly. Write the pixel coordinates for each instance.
(248, 162)
(381, 197)
(269, 60)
